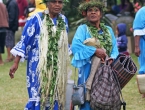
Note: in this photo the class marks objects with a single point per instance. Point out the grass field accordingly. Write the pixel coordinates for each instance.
(13, 93)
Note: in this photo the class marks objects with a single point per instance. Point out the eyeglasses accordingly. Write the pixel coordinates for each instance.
(57, 2)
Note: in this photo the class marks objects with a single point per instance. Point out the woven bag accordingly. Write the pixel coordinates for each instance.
(125, 69)
(105, 93)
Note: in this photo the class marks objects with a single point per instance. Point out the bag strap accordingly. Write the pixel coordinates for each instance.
(122, 102)
(74, 77)
(75, 82)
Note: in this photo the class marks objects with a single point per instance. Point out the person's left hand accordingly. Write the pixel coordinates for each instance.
(13, 70)
(100, 53)
(110, 60)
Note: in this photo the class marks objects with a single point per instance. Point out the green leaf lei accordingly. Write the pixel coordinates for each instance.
(92, 3)
(104, 37)
(52, 58)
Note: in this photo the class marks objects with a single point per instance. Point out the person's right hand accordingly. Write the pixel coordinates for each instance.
(100, 53)
(137, 51)
(13, 70)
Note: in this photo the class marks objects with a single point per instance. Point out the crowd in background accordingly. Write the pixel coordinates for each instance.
(124, 6)
(19, 10)
(3, 28)
(13, 14)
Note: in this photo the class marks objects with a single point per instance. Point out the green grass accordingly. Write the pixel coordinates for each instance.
(130, 91)
(131, 94)
(13, 92)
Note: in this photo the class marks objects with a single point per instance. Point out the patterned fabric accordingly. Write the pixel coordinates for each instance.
(53, 61)
(10, 39)
(139, 29)
(82, 55)
(107, 97)
(28, 49)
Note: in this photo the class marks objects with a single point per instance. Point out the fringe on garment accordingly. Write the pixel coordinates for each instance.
(63, 62)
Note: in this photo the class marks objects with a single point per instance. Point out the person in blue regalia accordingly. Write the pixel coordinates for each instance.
(92, 30)
(139, 36)
(44, 44)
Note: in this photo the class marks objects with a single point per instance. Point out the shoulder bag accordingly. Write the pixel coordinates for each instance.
(78, 96)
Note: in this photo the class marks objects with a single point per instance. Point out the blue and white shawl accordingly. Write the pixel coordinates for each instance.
(28, 48)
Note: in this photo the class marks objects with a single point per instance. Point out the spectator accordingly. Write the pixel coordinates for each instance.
(30, 8)
(137, 6)
(44, 43)
(139, 36)
(122, 40)
(22, 4)
(82, 53)
(13, 12)
(125, 6)
(128, 7)
(3, 27)
(39, 7)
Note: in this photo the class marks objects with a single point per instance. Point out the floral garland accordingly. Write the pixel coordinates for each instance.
(104, 38)
(48, 84)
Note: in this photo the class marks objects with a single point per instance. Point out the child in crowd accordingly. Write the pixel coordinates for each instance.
(122, 38)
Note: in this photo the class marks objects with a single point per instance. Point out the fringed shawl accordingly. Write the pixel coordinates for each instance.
(62, 65)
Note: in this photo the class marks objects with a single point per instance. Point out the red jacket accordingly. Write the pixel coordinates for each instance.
(22, 4)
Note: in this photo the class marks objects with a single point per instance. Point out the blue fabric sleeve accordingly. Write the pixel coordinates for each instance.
(81, 52)
(31, 29)
(114, 52)
(139, 21)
